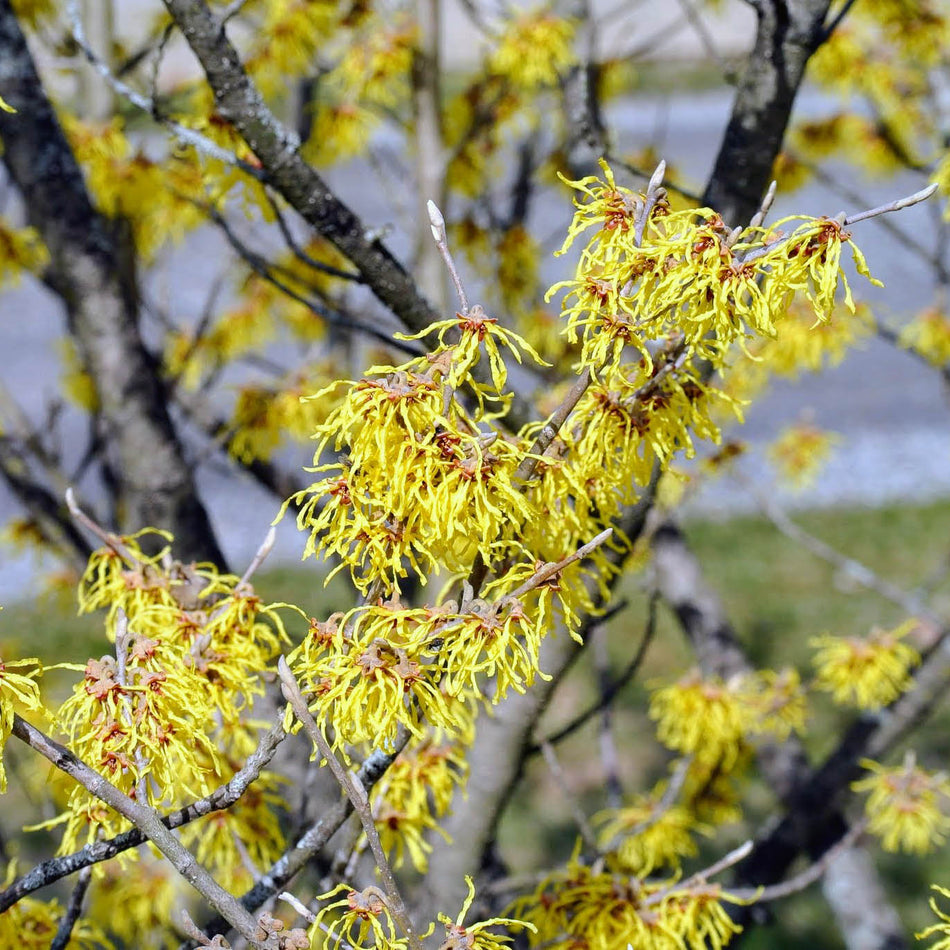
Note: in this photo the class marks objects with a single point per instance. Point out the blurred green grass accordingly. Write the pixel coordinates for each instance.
(777, 596)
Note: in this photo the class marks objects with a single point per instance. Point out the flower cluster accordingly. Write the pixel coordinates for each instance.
(32, 925)
(648, 272)
(649, 834)
(386, 666)
(417, 790)
(799, 453)
(929, 335)
(159, 716)
(580, 906)
(422, 483)
(534, 49)
(867, 672)
(714, 719)
(906, 806)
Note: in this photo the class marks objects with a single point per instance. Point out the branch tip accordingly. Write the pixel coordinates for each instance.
(437, 221)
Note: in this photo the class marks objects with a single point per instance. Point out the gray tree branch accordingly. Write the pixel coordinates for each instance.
(787, 34)
(851, 884)
(93, 274)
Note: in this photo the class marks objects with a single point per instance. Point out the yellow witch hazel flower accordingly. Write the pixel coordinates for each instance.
(148, 897)
(31, 924)
(16, 690)
(234, 842)
(534, 49)
(800, 452)
(368, 675)
(714, 719)
(942, 928)
(866, 672)
(421, 483)
(417, 790)
(906, 806)
(809, 260)
(191, 645)
(649, 834)
(929, 335)
(358, 919)
(705, 717)
(477, 936)
(137, 721)
(384, 666)
(642, 277)
(476, 330)
(582, 907)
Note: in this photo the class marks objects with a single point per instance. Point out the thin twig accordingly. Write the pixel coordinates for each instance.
(809, 875)
(109, 539)
(358, 797)
(265, 270)
(549, 569)
(844, 221)
(615, 159)
(557, 773)
(893, 337)
(188, 136)
(551, 428)
(759, 217)
(902, 236)
(267, 545)
(73, 910)
(302, 852)
(439, 235)
(610, 693)
(232, 10)
(855, 570)
(700, 878)
(706, 38)
(667, 799)
(301, 908)
(147, 821)
(835, 22)
(301, 254)
(222, 797)
(192, 930)
(896, 205)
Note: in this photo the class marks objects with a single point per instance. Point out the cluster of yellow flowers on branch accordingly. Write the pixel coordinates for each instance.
(425, 476)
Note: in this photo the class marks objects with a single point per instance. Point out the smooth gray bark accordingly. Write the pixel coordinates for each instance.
(93, 272)
(787, 33)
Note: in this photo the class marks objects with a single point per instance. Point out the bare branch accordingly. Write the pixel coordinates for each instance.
(896, 205)
(109, 539)
(809, 875)
(73, 910)
(854, 569)
(265, 269)
(301, 254)
(187, 136)
(147, 821)
(267, 545)
(222, 797)
(437, 225)
(357, 795)
(609, 693)
(583, 825)
(548, 570)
